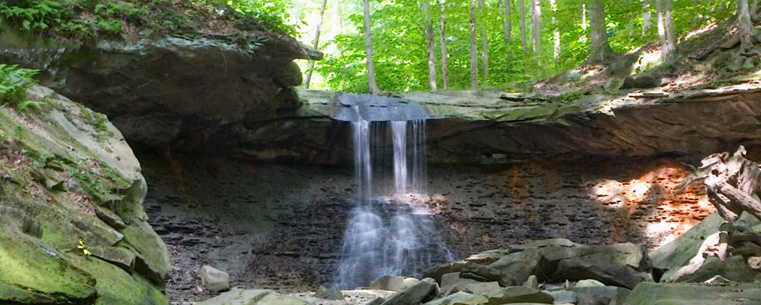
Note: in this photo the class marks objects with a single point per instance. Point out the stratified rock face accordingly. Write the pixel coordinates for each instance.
(72, 225)
(190, 92)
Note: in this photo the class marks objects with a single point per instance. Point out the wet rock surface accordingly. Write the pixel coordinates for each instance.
(280, 226)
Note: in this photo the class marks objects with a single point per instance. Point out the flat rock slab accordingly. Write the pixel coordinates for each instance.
(688, 294)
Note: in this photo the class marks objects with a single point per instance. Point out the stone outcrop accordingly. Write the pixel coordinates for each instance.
(196, 93)
(73, 226)
(556, 260)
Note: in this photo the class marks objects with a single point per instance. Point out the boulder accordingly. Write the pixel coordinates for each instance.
(388, 282)
(329, 293)
(670, 257)
(563, 297)
(531, 282)
(519, 294)
(213, 279)
(606, 295)
(475, 288)
(733, 268)
(409, 281)
(252, 297)
(460, 298)
(688, 294)
(589, 283)
(437, 271)
(517, 267)
(641, 82)
(488, 257)
(622, 265)
(484, 274)
(424, 291)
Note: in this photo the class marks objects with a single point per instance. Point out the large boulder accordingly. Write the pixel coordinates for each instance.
(687, 294)
(74, 228)
(424, 291)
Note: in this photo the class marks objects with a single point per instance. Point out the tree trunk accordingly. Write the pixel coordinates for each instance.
(662, 30)
(646, 16)
(444, 53)
(473, 50)
(340, 16)
(315, 44)
(584, 21)
(508, 32)
(431, 45)
(555, 31)
(599, 48)
(523, 25)
(484, 40)
(754, 12)
(536, 28)
(369, 47)
(669, 22)
(745, 25)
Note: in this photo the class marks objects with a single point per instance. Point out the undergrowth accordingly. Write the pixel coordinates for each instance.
(14, 82)
(89, 20)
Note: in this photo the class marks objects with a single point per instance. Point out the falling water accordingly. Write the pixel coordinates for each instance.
(386, 235)
(399, 135)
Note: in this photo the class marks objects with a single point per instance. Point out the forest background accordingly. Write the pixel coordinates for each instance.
(430, 45)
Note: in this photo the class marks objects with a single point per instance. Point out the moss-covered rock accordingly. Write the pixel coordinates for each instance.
(73, 225)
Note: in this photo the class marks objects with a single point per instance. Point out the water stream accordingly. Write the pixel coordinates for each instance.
(387, 233)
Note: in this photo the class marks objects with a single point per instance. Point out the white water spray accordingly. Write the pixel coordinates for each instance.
(386, 236)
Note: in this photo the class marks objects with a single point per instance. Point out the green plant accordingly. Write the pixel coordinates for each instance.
(14, 82)
(39, 14)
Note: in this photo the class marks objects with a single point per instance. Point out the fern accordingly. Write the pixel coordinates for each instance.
(14, 82)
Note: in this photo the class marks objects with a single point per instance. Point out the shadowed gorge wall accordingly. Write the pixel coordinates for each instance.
(280, 226)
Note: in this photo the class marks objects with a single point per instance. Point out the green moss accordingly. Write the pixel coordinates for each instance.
(116, 286)
(30, 264)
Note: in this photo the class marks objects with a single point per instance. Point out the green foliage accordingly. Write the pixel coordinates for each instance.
(272, 13)
(82, 20)
(14, 82)
(400, 47)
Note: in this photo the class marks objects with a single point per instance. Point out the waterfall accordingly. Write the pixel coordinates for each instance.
(386, 234)
(399, 134)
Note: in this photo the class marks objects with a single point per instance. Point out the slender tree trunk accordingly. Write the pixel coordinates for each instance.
(745, 25)
(662, 29)
(669, 22)
(666, 29)
(315, 44)
(646, 16)
(431, 45)
(754, 12)
(599, 48)
(523, 25)
(508, 32)
(473, 50)
(484, 40)
(444, 53)
(555, 31)
(340, 16)
(369, 47)
(536, 27)
(584, 21)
